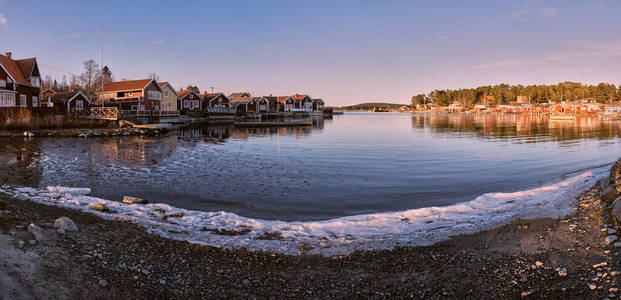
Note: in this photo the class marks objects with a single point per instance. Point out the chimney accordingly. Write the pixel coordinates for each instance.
(8, 55)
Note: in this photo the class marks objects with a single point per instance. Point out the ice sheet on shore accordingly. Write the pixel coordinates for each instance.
(422, 226)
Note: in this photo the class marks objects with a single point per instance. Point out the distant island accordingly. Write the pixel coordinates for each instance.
(372, 105)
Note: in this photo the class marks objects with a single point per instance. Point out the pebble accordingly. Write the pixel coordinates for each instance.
(561, 271)
(602, 264)
(610, 239)
(103, 283)
(162, 281)
(614, 273)
(592, 286)
(611, 231)
(100, 207)
(36, 232)
(613, 290)
(538, 264)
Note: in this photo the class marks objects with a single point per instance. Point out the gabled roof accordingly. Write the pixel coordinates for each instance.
(283, 98)
(271, 98)
(239, 95)
(166, 83)
(256, 98)
(11, 67)
(211, 96)
(299, 97)
(26, 66)
(127, 85)
(63, 97)
(182, 94)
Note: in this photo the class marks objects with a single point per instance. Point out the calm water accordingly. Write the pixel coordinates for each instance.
(353, 164)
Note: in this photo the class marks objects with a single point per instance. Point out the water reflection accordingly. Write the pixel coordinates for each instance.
(348, 165)
(19, 162)
(520, 128)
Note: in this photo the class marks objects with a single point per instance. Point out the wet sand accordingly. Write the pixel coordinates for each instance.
(521, 259)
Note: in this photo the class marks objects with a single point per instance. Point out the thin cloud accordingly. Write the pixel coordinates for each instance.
(520, 16)
(73, 36)
(3, 19)
(157, 42)
(549, 11)
(589, 50)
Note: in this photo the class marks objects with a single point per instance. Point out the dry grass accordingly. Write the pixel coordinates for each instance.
(25, 120)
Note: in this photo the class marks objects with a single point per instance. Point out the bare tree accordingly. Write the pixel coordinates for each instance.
(154, 76)
(90, 77)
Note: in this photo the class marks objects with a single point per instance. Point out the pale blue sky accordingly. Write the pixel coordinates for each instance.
(343, 51)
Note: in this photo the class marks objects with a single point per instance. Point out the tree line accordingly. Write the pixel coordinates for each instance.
(535, 94)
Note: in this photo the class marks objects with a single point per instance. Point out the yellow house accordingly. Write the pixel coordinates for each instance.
(169, 97)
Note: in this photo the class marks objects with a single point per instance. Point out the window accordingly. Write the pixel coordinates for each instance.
(35, 101)
(7, 99)
(157, 107)
(191, 104)
(185, 104)
(2, 83)
(79, 105)
(155, 95)
(134, 107)
(166, 93)
(35, 81)
(22, 101)
(191, 96)
(196, 104)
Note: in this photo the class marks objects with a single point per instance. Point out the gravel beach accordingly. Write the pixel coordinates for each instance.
(540, 258)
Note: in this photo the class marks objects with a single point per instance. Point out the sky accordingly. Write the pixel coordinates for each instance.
(343, 51)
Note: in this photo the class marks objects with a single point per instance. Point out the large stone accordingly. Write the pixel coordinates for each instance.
(616, 208)
(65, 224)
(134, 200)
(609, 194)
(36, 232)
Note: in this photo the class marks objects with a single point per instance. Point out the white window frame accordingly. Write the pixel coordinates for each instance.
(186, 104)
(191, 96)
(197, 104)
(166, 93)
(134, 107)
(35, 101)
(2, 83)
(79, 105)
(23, 101)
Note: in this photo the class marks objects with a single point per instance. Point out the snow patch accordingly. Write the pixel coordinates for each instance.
(422, 226)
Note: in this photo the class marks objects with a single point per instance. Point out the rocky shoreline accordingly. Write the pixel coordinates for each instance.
(577, 256)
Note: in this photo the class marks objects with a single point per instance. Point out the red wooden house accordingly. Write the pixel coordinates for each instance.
(215, 100)
(65, 103)
(20, 82)
(318, 104)
(189, 100)
(133, 97)
(303, 102)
